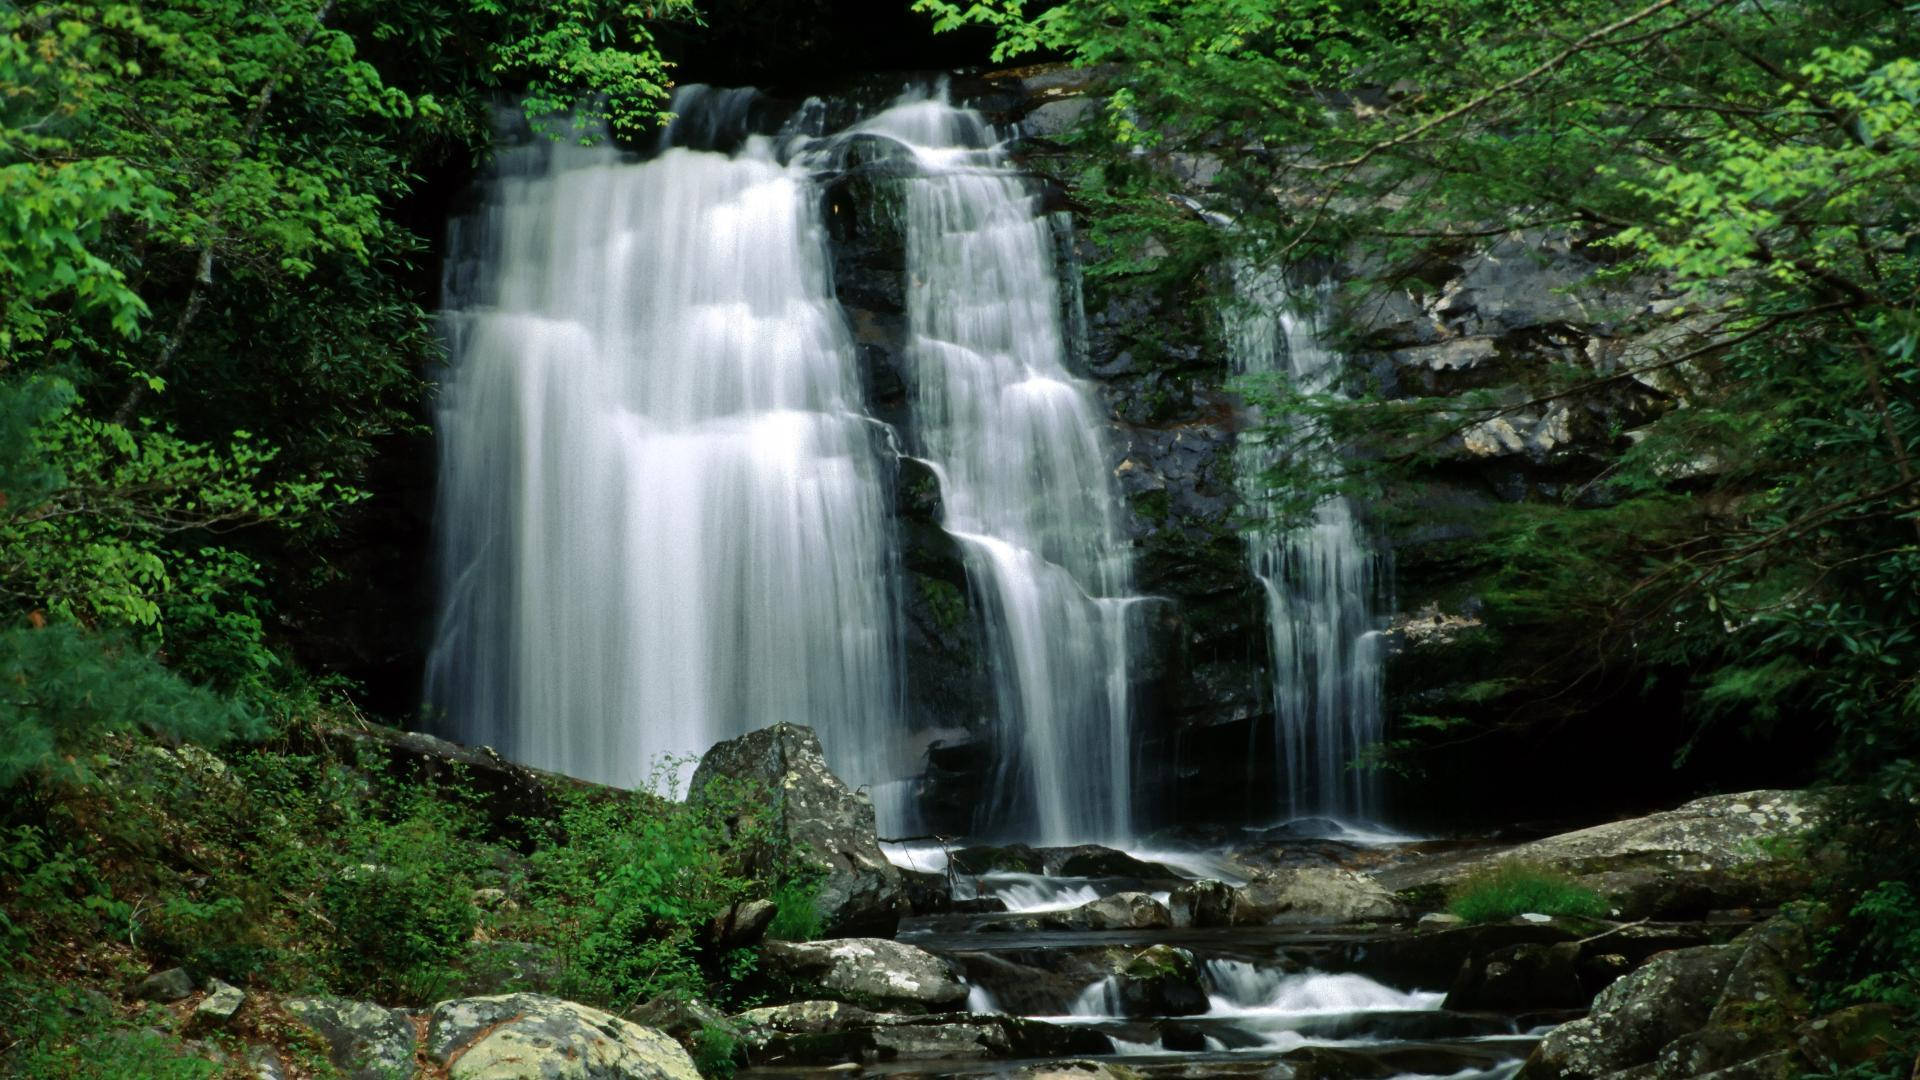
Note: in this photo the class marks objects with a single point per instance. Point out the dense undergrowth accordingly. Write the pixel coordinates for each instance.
(311, 863)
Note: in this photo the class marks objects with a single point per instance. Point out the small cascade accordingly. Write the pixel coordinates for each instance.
(1324, 645)
(663, 517)
(1019, 443)
(1237, 988)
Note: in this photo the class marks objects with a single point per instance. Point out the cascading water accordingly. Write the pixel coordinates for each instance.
(1319, 578)
(1026, 481)
(663, 511)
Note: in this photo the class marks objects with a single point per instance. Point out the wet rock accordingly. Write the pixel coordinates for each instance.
(1122, 911)
(823, 823)
(1160, 981)
(1520, 977)
(873, 972)
(1312, 894)
(832, 1032)
(1634, 1018)
(1077, 1070)
(533, 1037)
(1092, 860)
(173, 984)
(364, 1041)
(987, 858)
(222, 1003)
(1202, 903)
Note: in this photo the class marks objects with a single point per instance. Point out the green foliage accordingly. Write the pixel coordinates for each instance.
(65, 689)
(638, 885)
(797, 914)
(716, 1051)
(1507, 889)
(65, 1035)
(398, 924)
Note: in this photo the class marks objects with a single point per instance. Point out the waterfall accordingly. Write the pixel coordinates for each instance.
(1324, 647)
(1026, 478)
(663, 512)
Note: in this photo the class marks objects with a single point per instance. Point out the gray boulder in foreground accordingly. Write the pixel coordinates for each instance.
(826, 824)
(534, 1037)
(364, 1041)
(875, 973)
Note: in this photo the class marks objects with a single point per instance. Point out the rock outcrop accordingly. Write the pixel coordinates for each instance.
(823, 823)
(364, 1041)
(533, 1037)
(1311, 894)
(1718, 1010)
(1716, 852)
(870, 972)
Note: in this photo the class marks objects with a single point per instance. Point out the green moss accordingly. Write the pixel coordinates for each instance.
(1507, 889)
(945, 601)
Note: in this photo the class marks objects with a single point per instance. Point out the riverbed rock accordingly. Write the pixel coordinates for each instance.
(1160, 981)
(871, 972)
(1312, 894)
(1632, 1020)
(834, 1032)
(1122, 911)
(534, 1037)
(824, 823)
(1203, 903)
(1530, 976)
(1716, 852)
(364, 1041)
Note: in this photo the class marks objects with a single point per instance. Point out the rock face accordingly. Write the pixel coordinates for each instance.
(532, 1037)
(1679, 863)
(1311, 894)
(870, 972)
(364, 1041)
(1122, 911)
(835, 1033)
(828, 826)
(1718, 1010)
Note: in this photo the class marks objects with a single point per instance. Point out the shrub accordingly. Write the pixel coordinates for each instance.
(716, 1051)
(68, 688)
(401, 918)
(1513, 888)
(796, 918)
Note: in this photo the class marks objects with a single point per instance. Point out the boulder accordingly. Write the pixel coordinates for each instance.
(1519, 977)
(871, 972)
(1636, 1017)
(1709, 853)
(173, 984)
(824, 823)
(1122, 911)
(1160, 981)
(833, 1032)
(1202, 903)
(676, 1014)
(743, 925)
(222, 1003)
(364, 1041)
(1312, 894)
(534, 1037)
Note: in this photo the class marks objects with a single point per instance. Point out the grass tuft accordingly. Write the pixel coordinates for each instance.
(1507, 889)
